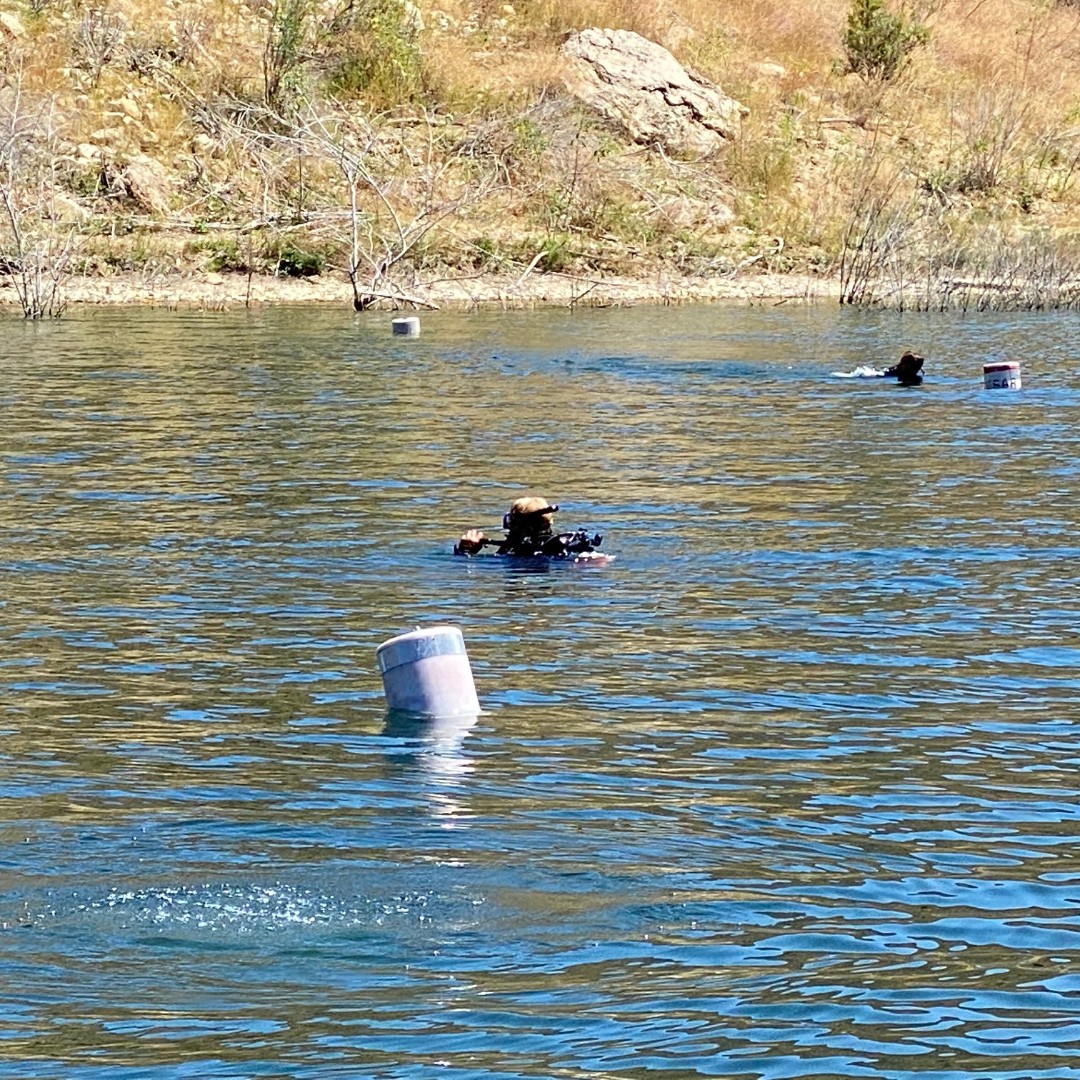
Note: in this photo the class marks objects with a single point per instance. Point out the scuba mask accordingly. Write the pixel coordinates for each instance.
(526, 522)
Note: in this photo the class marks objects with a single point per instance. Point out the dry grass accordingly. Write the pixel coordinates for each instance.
(983, 127)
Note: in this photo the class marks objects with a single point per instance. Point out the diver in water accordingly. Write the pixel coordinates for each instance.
(529, 533)
(907, 371)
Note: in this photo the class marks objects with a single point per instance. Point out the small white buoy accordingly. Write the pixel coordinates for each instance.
(1002, 375)
(409, 325)
(427, 673)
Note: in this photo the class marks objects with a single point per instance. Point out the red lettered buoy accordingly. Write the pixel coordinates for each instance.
(1002, 375)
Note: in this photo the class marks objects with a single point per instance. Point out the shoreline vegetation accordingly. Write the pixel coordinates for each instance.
(412, 154)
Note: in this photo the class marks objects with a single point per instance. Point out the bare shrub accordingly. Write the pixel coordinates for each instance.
(402, 182)
(880, 221)
(36, 249)
(1001, 270)
(899, 253)
(374, 189)
(989, 147)
(98, 39)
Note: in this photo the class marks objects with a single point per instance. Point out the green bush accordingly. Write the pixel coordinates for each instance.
(878, 43)
(484, 254)
(375, 54)
(221, 254)
(295, 261)
(557, 257)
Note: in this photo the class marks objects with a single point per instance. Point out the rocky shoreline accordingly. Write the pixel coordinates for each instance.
(221, 292)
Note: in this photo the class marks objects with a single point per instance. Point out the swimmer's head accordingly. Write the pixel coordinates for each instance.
(909, 369)
(529, 516)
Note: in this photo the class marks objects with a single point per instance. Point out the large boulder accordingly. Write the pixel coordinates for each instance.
(639, 85)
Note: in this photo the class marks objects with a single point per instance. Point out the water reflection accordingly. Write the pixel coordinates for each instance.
(434, 744)
(431, 755)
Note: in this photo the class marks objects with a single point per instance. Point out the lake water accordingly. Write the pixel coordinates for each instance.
(791, 789)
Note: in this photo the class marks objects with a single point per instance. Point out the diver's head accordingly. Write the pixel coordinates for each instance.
(910, 364)
(529, 516)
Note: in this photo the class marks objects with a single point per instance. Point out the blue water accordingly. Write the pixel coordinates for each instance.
(790, 789)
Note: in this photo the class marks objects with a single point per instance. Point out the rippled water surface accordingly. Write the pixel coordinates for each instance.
(791, 789)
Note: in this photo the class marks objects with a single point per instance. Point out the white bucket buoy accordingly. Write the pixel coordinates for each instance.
(409, 325)
(427, 673)
(1002, 375)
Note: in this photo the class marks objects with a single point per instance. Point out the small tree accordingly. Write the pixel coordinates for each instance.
(878, 42)
(286, 35)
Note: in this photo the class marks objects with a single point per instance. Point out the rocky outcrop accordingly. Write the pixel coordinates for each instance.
(145, 181)
(10, 25)
(639, 85)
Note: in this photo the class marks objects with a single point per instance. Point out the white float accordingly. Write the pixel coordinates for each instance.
(408, 325)
(427, 673)
(1002, 375)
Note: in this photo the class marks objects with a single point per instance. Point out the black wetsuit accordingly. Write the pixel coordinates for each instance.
(552, 545)
(908, 372)
(547, 545)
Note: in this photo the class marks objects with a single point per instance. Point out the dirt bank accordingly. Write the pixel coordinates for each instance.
(228, 291)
